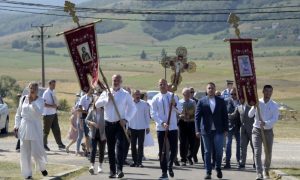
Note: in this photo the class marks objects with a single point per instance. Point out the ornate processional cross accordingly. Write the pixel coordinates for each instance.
(179, 65)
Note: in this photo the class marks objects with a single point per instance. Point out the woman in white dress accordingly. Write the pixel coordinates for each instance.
(28, 127)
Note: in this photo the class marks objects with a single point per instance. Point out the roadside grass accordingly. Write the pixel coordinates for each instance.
(11, 170)
(295, 172)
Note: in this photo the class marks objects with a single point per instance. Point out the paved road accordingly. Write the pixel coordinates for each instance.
(285, 154)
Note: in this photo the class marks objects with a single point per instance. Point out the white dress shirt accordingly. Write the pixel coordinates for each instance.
(124, 104)
(85, 102)
(49, 98)
(28, 119)
(269, 114)
(141, 119)
(212, 105)
(160, 110)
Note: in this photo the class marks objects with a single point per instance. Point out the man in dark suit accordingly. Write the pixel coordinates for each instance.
(246, 130)
(212, 122)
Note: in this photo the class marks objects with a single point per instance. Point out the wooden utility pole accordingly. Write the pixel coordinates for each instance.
(42, 29)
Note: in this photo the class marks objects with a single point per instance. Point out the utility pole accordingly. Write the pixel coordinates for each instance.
(42, 28)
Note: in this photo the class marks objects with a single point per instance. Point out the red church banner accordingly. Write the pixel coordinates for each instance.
(82, 45)
(244, 70)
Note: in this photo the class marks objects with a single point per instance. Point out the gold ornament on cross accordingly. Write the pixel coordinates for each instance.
(70, 8)
(234, 20)
(179, 65)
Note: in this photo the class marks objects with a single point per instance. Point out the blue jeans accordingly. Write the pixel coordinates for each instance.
(80, 136)
(213, 141)
(230, 135)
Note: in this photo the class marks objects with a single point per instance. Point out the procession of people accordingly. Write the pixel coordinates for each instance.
(182, 126)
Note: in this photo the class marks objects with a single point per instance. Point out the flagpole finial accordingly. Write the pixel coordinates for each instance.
(234, 20)
(70, 8)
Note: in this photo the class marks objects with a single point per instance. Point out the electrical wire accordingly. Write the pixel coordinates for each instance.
(160, 20)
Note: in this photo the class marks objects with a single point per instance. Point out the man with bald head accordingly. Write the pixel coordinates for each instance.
(113, 124)
(160, 107)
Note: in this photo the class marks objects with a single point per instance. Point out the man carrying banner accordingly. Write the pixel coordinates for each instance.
(212, 121)
(267, 116)
(114, 125)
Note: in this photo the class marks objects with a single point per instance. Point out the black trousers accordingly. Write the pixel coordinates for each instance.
(115, 144)
(187, 139)
(173, 142)
(101, 146)
(51, 122)
(137, 136)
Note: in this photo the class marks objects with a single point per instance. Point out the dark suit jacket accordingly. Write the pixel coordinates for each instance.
(204, 117)
(245, 121)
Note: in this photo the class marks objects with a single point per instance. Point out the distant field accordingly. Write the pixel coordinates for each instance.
(282, 72)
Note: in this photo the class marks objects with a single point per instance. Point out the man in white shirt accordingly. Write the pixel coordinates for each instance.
(226, 92)
(137, 126)
(50, 116)
(113, 124)
(160, 106)
(269, 115)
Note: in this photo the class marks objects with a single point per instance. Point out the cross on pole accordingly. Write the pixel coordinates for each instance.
(178, 65)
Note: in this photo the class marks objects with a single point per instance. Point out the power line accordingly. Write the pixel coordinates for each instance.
(151, 10)
(159, 20)
(157, 13)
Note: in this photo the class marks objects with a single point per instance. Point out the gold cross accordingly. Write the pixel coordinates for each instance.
(179, 65)
(234, 21)
(70, 8)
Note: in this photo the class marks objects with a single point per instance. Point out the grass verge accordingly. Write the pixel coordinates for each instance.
(11, 170)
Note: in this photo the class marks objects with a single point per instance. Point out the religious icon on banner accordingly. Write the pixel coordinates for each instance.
(85, 53)
(245, 66)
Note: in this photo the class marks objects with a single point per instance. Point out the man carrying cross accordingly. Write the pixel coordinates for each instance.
(160, 108)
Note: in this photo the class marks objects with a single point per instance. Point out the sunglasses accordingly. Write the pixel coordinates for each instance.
(233, 94)
(192, 92)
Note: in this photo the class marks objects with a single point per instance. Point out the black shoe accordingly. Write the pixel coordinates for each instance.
(112, 175)
(46, 148)
(190, 161)
(176, 163)
(195, 160)
(227, 166)
(120, 174)
(62, 146)
(126, 162)
(29, 177)
(208, 176)
(219, 174)
(140, 165)
(133, 165)
(45, 172)
(164, 176)
(171, 173)
(241, 166)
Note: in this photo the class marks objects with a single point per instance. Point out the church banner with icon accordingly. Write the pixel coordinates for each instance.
(82, 45)
(244, 70)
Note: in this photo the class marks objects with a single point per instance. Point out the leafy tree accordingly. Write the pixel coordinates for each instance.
(163, 53)
(143, 55)
(8, 86)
